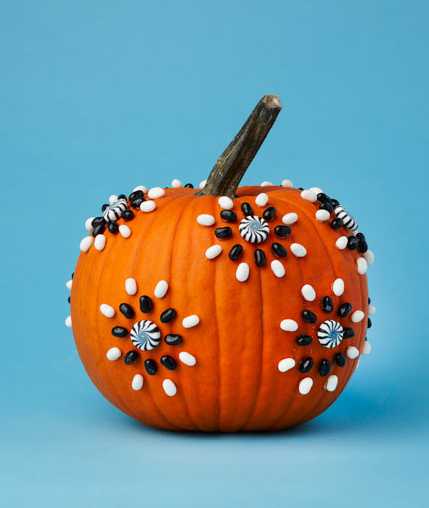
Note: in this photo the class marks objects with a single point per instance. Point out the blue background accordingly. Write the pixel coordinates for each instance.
(97, 97)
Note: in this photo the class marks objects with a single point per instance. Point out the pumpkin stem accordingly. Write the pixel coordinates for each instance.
(233, 163)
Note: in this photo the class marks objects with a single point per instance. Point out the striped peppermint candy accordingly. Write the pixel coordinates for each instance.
(330, 333)
(254, 229)
(145, 335)
(115, 210)
(347, 219)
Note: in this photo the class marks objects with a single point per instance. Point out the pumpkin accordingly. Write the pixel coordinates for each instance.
(222, 308)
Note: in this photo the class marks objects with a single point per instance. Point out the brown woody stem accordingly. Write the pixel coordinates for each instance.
(233, 163)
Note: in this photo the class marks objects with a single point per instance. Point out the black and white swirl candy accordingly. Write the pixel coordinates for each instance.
(330, 333)
(347, 219)
(145, 335)
(115, 210)
(254, 229)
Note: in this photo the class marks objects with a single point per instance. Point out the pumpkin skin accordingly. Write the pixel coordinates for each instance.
(236, 384)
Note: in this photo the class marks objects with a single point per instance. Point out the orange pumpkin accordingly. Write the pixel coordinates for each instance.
(226, 309)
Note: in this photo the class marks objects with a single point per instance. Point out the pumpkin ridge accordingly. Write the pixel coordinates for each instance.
(185, 207)
(351, 368)
(154, 217)
(110, 255)
(348, 371)
(236, 358)
(99, 351)
(191, 277)
(149, 221)
(302, 213)
(216, 319)
(296, 348)
(81, 270)
(261, 368)
(176, 203)
(267, 366)
(352, 365)
(108, 261)
(308, 220)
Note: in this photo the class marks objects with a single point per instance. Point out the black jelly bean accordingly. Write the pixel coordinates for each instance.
(127, 310)
(113, 228)
(151, 366)
(236, 252)
(282, 231)
(96, 221)
(352, 242)
(103, 207)
(228, 215)
(246, 209)
(146, 303)
(168, 315)
(334, 202)
(327, 305)
(322, 197)
(260, 258)
(304, 340)
(223, 233)
(138, 194)
(348, 333)
(306, 365)
(340, 359)
(278, 250)
(128, 215)
(99, 229)
(119, 331)
(189, 185)
(135, 203)
(324, 367)
(336, 224)
(327, 206)
(122, 196)
(308, 316)
(269, 213)
(172, 339)
(131, 357)
(369, 324)
(362, 246)
(344, 309)
(169, 362)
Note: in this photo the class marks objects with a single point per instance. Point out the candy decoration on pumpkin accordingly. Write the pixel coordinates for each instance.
(346, 219)
(330, 333)
(145, 335)
(114, 210)
(254, 229)
(222, 308)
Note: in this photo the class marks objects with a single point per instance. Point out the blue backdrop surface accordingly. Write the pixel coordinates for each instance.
(99, 96)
